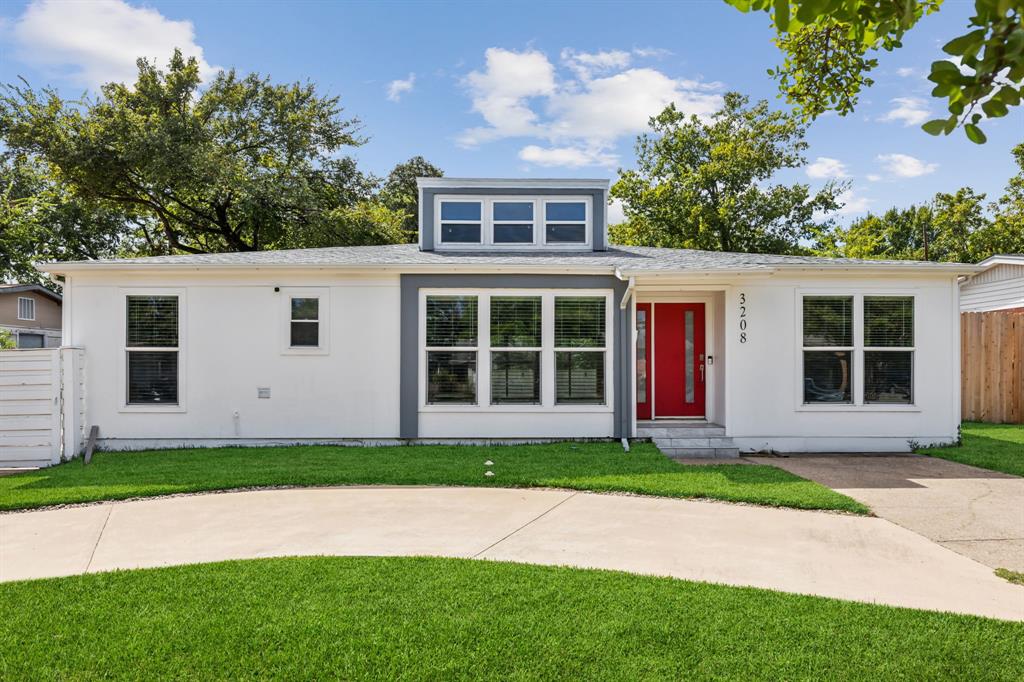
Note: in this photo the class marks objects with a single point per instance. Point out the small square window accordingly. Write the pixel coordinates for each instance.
(26, 308)
(461, 222)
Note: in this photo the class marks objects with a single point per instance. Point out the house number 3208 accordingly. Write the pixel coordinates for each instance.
(743, 317)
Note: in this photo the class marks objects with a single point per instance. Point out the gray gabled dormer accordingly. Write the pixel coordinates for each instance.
(479, 214)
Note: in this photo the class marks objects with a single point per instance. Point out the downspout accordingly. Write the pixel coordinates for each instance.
(624, 378)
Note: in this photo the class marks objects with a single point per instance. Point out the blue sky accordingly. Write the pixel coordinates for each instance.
(541, 89)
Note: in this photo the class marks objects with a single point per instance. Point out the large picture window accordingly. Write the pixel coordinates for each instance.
(515, 349)
(858, 339)
(451, 328)
(151, 350)
(580, 349)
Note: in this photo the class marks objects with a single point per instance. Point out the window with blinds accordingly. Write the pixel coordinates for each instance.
(515, 374)
(580, 323)
(828, 349)
(26, 308)
(888, 349)
(151, 349)
(451, 323)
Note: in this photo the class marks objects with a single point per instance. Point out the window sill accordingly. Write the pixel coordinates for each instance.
(152, 408)
(311, 350)
(515, 409)
(873, 407)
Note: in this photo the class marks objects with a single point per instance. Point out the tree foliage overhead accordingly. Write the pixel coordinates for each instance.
(704, 184)
(234, 166)
(827, 44)
(956, 226)
(41, 220)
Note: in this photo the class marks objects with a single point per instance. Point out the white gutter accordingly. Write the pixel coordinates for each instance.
(629, 289)
(623, 304)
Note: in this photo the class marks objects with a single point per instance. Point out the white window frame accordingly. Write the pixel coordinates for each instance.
(588, 223)
(323, 295)
(30, 307)
(487, 222)
(857, 355)
(460, 200)
(547, 357)
(181, 405)
(515, 349)
(451, 349)
(495, 223)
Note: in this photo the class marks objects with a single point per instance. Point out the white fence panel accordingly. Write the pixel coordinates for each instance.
(42, 406)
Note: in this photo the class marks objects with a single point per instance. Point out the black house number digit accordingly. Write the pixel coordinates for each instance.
(743, 317)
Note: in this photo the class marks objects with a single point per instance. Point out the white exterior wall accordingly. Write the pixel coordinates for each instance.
(765, 409)
(998, 288)
(231, 338)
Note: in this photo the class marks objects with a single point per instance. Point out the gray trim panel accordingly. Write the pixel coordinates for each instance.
(409, 354)
(427, 194)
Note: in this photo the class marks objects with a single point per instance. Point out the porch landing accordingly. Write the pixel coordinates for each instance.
(684, 439)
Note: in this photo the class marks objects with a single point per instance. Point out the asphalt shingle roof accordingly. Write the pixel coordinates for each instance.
(396, 255)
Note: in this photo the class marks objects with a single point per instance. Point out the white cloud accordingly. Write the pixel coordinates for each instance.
(852, 203)
(616, 212)
(910, 110)
(501, 92)
(873, 177)
(397, 88)
(651, 52)
(824, 167)
(586, 64)
(906, 72)
(580, 119)
(97, 42)
(569, 157)
(905, 166)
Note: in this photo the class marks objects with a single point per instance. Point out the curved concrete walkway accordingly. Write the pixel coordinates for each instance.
(864, 559)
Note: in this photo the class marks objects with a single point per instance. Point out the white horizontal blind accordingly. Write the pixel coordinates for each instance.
(828, 321)
(152, 321)
(515, 374)
(451, 330)
(888, 321)
(579, 322)
(451, 321)
(579, 349)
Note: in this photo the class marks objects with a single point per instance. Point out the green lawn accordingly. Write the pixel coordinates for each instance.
(580, 466)
(999, 447)
(423, 618)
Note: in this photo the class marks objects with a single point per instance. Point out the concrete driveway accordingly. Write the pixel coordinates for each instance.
(975, 512)
(833, 555)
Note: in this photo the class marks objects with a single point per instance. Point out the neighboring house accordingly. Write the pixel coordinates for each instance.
(513, 318)
(32, 314)
(998, 286)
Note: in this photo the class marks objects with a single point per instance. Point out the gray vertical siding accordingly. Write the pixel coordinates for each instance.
(622, 378)
(597, 195)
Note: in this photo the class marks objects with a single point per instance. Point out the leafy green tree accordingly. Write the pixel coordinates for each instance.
(705, 184)
(1005, 234)
(234, 166)
(958, 218)
(399, 191)
(42, 220)
(827, 46)
(898, 234)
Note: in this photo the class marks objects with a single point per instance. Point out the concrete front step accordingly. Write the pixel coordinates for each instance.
(709, 431)
(701, 453)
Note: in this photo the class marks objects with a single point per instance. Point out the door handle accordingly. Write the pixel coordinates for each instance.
(702, 372)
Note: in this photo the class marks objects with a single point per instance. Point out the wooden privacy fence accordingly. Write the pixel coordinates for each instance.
(42, 406)
(992, 366)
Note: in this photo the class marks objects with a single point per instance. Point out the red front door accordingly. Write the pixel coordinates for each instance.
(675, 380)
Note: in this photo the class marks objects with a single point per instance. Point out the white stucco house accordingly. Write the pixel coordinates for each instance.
(513, 318)
(998, 285)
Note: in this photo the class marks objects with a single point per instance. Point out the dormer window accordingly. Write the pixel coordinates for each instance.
(522, 215)
(565, 222)
(461, 222)
(513, 222)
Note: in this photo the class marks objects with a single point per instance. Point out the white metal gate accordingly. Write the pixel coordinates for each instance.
(41, 406)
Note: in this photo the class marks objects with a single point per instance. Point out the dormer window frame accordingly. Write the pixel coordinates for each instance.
(488, 223)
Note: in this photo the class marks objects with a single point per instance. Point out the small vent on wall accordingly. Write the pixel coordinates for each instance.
(263, 392)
